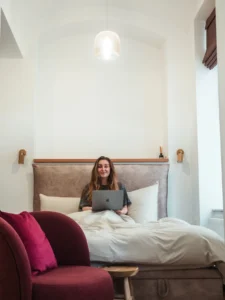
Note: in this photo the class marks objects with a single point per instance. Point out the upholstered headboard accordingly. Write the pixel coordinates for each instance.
(68, 180)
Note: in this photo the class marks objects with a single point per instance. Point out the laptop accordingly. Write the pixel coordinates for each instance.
(107, 200)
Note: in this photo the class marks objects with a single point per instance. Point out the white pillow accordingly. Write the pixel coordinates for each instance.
(64, 205)
(144, 207)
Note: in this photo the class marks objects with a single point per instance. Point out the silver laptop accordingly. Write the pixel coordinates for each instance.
(107, 199)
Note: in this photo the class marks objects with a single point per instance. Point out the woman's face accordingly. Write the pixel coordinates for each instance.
(103, 168)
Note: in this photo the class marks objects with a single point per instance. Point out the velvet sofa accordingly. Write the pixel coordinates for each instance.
(73, 279)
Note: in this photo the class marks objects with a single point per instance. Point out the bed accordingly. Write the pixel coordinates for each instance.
(162, 278)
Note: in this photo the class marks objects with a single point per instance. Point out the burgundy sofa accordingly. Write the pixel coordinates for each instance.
(73, 279)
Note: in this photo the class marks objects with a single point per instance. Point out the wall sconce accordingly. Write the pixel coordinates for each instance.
(22, 154)
(180, 155)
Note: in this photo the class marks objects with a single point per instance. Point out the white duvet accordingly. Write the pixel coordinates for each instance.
(169, 241)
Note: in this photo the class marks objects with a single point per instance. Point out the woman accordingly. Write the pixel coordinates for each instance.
(103, 177)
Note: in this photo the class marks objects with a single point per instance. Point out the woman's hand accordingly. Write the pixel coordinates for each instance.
(86, 208)
(123, 211)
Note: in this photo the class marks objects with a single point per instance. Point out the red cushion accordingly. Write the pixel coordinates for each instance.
(38, 248)
(73, 282)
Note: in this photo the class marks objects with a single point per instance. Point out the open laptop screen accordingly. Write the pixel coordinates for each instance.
(107, 200)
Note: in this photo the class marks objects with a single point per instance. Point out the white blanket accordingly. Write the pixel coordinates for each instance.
(169, 241)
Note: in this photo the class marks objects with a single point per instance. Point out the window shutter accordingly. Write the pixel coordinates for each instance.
(210, 58)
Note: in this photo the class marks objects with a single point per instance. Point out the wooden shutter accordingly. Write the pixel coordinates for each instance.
(210, 58)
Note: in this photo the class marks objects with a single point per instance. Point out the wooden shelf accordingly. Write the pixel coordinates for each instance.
(92, 160)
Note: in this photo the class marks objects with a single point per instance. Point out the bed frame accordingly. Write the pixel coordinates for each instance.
(152, 282)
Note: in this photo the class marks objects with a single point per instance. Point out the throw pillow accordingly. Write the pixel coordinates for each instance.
(39, 250)
(64, 205)
(144, 207)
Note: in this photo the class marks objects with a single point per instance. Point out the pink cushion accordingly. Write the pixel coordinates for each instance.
(38, 248)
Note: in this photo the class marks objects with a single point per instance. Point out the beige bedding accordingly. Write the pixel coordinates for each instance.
(169, 241)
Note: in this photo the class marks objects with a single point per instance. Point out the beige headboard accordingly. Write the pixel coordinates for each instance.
(68, 180)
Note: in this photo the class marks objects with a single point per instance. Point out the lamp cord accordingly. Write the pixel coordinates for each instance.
(106, 14)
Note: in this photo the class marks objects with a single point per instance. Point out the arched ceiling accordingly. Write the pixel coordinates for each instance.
(147, 20)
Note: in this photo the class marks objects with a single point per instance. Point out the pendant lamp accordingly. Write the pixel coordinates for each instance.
(107, 43)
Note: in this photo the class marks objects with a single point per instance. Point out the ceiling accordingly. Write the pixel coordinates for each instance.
(147, 20)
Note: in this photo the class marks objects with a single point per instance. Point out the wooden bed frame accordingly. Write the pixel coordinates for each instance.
(66, 178)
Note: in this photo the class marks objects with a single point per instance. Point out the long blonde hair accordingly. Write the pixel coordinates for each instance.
(95, 182)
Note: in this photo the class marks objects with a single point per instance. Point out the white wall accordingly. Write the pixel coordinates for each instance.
(210, 178)
(181, 102)
(16, 132)
(86, 108)
(209, 144)
(220, 22)
(10, 9)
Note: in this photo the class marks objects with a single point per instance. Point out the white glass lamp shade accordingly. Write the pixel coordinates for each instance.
(107, 45)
